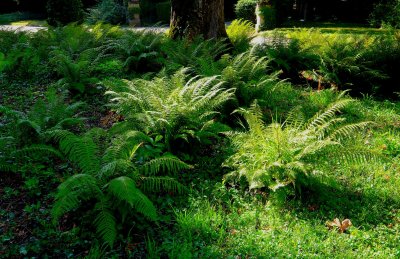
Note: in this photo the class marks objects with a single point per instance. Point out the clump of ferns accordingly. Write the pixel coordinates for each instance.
(112, 185)
(76, 70)
(282, 154)
(251, 76)
(179, 109)
(199, 54)
(26, 134)
(138, 51)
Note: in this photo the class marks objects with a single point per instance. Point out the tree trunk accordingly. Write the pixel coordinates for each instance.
(191, 18)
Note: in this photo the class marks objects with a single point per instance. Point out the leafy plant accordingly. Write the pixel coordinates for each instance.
(251, 76)
(139, 51)
(110, 186)
(386, 13)
(109, 11)
(246, 9)
(76, 74)
(26, 135)
(278, 155)
(240, 33)
(174, 108)
(200, 55)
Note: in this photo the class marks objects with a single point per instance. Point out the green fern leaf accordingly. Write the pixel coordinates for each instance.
(106, 226)
(124, 188)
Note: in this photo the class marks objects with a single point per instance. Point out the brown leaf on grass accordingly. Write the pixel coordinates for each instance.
(340, 226)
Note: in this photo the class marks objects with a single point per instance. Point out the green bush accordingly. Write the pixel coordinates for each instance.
(163, 11)
(386, 13)
(62, 12)
(246, 9)
(269, 15)
(108, 11)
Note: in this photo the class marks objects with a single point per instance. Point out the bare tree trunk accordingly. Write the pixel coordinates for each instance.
(191, 18)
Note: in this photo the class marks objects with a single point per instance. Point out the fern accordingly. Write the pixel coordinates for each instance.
(124, 189)
(162, 183)
(113, 179)
(105, 222)
(200, 55)
(277, 155)
(80, 150)
(38, 151)
(71, 192)
(250, 75)
(166, 163)
(172, 107)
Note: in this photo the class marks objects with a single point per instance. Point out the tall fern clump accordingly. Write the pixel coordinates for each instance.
(251, 76)
(278, 155)
(175, 108)
(27, 134)
(138, 51)
(77, 54)
(200, 55)
(240, 33)
(109, 185)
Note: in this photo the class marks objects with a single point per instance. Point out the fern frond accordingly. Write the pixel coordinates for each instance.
(158, 184)
(358, 157)
(105, 222)
(37, 150)
(329, 113)
(8, 168)
(70, 193)
(167, 163)
(124, 188)
(346, 131)
(80, 150)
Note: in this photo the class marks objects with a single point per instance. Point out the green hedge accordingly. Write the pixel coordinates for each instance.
(62, 12)
(269, 14)
(246, 10)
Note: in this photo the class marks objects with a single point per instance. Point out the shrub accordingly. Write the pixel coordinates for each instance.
(240, 33)
(386, 13)
(108, 11)
(246, 9)
(268, 14)
(62, 12)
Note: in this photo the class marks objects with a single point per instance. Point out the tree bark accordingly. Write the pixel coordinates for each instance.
(191, 18)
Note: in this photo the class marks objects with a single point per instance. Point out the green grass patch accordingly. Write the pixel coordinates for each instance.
(22, 19)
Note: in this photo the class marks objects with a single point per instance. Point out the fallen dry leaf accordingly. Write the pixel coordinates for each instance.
(340, 226)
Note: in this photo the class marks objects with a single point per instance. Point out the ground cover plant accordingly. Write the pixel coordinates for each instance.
(119, 143)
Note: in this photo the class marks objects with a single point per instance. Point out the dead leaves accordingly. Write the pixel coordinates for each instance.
(340, 226)
(108, 120)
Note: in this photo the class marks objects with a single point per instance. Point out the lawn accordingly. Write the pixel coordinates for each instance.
(119, 143)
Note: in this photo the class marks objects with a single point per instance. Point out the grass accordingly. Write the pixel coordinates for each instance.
(22, 19)
(220, 221)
